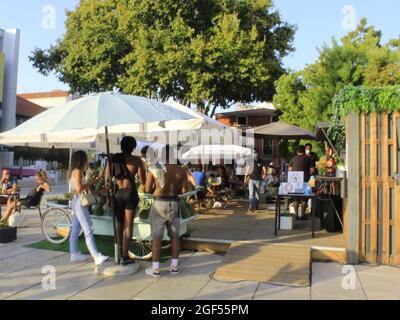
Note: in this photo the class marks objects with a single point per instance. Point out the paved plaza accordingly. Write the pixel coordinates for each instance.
(21, 278)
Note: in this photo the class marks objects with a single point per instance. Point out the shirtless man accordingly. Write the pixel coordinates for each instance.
(166, 182)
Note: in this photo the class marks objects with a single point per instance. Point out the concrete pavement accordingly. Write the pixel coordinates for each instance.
(22, 276)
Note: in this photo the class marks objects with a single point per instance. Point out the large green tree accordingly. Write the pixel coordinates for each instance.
(305, 97)
(204, 52)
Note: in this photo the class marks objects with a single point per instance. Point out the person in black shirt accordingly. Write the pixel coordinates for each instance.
(253, 179)
(312, 155)
(302, 163)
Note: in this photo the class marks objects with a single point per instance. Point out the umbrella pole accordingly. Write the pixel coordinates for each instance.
(111, 197)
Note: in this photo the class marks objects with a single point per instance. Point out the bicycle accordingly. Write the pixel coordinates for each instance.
(57, 223)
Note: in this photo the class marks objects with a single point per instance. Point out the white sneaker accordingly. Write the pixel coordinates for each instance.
(152, 272)
(78, 257)
(100, 259)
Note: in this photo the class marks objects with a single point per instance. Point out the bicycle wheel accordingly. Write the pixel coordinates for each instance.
(141, 249)
(56, 225)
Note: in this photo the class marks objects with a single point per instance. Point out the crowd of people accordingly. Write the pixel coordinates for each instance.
(165, 180)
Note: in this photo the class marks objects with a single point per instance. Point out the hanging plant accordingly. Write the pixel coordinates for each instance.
(363, 99)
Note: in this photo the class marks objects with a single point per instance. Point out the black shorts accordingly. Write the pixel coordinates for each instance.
(125, 199)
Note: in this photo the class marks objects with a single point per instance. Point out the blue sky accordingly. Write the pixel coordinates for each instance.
(317, 22)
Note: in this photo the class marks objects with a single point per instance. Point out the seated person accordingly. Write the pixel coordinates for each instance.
(32, 198)
(190, 178)
(222, 172)
(213, 172)
(272, 179)
(200, 179)
(8, 185)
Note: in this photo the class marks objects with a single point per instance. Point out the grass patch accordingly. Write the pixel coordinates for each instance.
(104, 244)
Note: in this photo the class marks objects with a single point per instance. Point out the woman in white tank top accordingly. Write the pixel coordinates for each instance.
(80, 214)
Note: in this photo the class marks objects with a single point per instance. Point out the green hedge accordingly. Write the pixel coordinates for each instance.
(362, 99)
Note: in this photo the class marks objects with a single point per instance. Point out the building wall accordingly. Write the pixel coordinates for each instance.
(10, 48)
(49, 102)
(255, 121)
(228, 121)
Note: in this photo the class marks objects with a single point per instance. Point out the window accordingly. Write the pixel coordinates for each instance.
(242, 121)
(268, 147)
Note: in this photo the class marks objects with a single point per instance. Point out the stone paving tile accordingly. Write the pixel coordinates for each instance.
(26, 260)
(267, 291)
(380, 282)
(194, 275)
(216, 290)
(118, 287)
(13, 250)
(67, 285)
(327, 281)
(126, 287)
(24, 279)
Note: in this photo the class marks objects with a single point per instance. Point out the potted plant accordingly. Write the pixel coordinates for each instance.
(63, 201)
(7, 233)
(288, 221)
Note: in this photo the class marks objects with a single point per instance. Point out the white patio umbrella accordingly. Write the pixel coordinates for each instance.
(87, 122)
(82, 122)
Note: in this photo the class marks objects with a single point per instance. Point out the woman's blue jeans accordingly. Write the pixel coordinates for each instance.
(254, 193)
(81, 219)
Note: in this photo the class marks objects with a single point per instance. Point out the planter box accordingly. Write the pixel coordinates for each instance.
(8, 234)
(288, 223)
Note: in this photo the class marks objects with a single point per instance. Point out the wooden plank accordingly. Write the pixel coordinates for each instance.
(205, 246)
(385, 189)
(330, 256)
(395, 139)
(396, 253)
(353, 234)
(269, 263)
(374, 189)
(363, 186)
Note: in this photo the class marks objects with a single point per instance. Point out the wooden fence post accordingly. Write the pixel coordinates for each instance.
(354, 187)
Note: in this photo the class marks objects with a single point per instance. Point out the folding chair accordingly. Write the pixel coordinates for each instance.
(34, 203)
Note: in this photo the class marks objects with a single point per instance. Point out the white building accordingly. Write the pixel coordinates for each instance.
(9, 54)
(48, 99)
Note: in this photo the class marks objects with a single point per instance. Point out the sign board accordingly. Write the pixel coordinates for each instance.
(286, 188)
(296, 178)
(1, 76)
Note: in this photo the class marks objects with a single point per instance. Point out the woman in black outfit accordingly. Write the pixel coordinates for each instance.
(124, 168)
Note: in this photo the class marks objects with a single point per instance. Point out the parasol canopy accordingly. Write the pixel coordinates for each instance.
(82, 122)
(282, 130)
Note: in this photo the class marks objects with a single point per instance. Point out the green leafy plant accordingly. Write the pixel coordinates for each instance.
(368, 100)
(3, 224)
(287, 214)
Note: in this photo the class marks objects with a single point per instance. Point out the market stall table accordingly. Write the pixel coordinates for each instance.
(291, 196)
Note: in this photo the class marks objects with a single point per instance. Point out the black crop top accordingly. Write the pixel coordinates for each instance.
(119, 169)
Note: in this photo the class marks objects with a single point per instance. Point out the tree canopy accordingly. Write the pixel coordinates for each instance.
(306, 97)
(204, 52)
